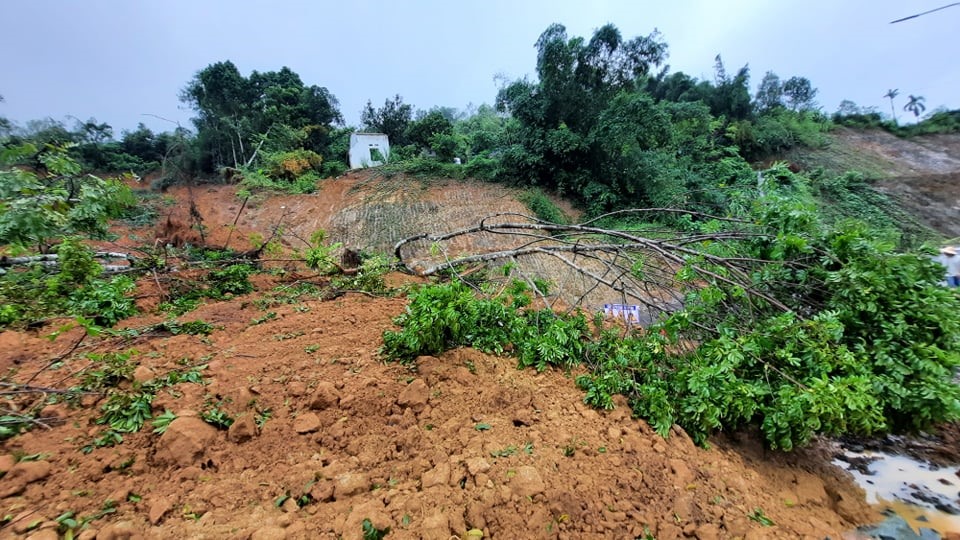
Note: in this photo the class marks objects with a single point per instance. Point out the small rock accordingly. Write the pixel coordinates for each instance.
(119, 495)
(121, 530)
(142, 374)
(243, 429)
(21, 474)
(296, 388)
(185, 441)
(894, 527)
(324, 396)
(44, 534)
(415, 395)
(708, 531)
(477, 465)
(436, 527)
(306, 423)
(7, 462)
(322, 491)
(437, 476)
(88, 534)
(26, 521)
(158, 508)
(527, 482)
(268, 533)
(290, 506)
(350, 484)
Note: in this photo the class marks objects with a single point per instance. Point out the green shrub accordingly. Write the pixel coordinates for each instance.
(542, 207)
(445, 316)
(871, 344)
(292, 164)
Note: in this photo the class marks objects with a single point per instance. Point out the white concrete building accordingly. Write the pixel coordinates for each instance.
(368, 150)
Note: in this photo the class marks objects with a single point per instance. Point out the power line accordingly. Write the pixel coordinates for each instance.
(925, 12)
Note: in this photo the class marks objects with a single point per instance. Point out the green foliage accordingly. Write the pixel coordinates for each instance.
(777, 131)
(35, 208)
(761, 518)
(851, 196)
(877, 355)
(125, 412)
(291, 165)
(230, 281)
(73, 287)
(106, 302)
(869, 345)
(542, 207)
(372, 533)
(214, 415)
(422, 130)
(319, 256)
(449, 315)
(393, 120)
(369, 276)
(219, 283)
(110, 369)
(237, 113)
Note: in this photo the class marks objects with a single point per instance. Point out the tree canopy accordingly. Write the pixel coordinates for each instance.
(236, 113)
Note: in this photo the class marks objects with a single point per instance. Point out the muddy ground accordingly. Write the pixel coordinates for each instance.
(453, 443)
(327, 437)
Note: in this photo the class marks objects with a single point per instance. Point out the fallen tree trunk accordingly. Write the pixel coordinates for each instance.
(636, 267)
(52, 260)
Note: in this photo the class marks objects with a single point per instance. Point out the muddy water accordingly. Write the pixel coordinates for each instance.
(925, 495)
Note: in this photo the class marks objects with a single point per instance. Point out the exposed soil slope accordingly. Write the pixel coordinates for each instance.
(921, 173)
(459, 442)
(462, 441)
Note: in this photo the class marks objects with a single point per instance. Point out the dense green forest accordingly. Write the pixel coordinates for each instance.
(813, 300)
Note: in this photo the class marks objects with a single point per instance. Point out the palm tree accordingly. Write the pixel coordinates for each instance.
(892, 94)
(915, 105)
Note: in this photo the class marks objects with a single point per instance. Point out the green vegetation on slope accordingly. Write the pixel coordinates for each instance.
(835, 333)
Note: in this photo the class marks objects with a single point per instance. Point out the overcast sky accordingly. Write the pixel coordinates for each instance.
(119, 60)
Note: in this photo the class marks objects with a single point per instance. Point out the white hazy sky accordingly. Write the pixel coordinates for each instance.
(119, 60)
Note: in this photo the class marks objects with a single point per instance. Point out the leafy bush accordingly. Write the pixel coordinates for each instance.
(232, 280)
(37, 208)
(445, 316)
(291, 165)
(106, 302)
(542, 206)
(369, 276)
(877, 354)
(332, 169)
(73, 287)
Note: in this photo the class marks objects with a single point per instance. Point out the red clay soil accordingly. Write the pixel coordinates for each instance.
(455, 443)
(460, 442)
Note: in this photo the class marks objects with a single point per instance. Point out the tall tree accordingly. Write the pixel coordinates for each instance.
(892, 93)
(551, 144)
(799, 95)
(769, 94)
(392, 119)
(731, 95)
(236, 113)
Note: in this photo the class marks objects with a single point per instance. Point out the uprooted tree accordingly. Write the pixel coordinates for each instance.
(770, 318)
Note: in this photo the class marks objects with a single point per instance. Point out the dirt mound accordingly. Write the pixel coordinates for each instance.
(328, 438)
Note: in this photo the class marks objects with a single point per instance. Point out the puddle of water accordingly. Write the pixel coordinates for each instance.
(910, 488)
